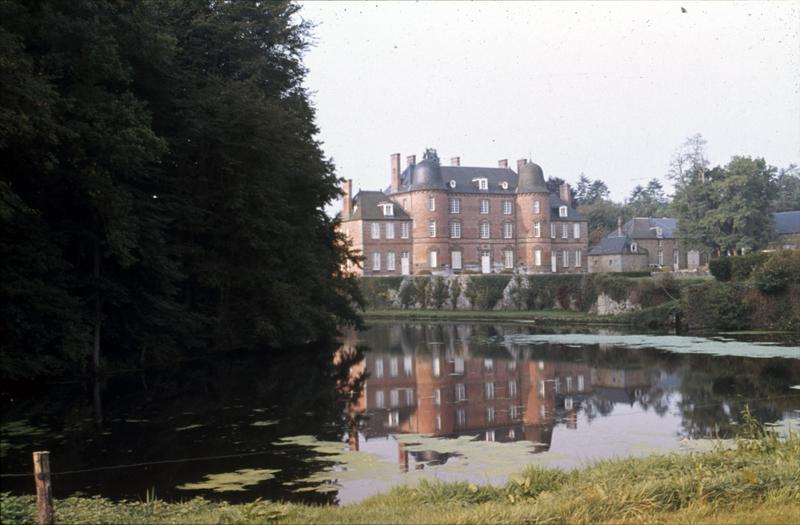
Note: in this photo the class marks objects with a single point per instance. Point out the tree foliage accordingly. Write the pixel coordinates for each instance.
(647, 201)
(162, 189)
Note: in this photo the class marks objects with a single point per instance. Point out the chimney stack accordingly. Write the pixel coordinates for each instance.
(619, 226)
(394, 162)
(455, 161)
(502, 163)
(411, 160)
(565, 194)
(347, 199)
(520, 163)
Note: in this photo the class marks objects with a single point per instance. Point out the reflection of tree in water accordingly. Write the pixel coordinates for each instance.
(714, 391)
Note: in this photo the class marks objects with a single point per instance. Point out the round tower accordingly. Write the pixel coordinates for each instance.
(428, 207)
(533, 228)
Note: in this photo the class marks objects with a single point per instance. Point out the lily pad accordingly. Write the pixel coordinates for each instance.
(231, 481)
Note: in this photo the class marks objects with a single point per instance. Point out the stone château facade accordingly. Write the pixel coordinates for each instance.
(452, 219)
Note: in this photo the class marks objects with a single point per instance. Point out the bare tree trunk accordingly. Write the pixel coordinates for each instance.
(98, 307)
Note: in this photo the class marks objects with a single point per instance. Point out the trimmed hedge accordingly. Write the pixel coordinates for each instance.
(780, 271)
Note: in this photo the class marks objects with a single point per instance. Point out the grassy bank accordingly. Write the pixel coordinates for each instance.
(543, 316)
(753, 482)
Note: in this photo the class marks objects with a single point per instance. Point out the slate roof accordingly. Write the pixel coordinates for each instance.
(463, 176)
(572, 213)
(615, 245)
(645, 227)
(787, 222)
(365, 207)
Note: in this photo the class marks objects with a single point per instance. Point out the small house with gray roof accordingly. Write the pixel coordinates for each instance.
(787, 228)
(454, 219)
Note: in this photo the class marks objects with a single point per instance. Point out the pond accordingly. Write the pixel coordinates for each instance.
(399, 403)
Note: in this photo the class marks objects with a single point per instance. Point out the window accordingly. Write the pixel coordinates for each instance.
(485, 230)
(541, 389)
(508, 258)
(634, 247)
(576, 230)
(488, 389)
(390, 262)
(390, 230)
(408, 365)
(565, 230)
(578, 257)
(536, 207)
(431, 228)
(552, 230)
(488, 364)
(660, 257)
(675, 258)
(568, 383)
(490, 435)
(512, 388)
(484, 206)
(537, 229)
(388, 210)
(394, 397)
(537, 257)
(376, 261)
(461, 392)
(393, 367)
(404, 230)
(507, 207)
(437, 423)
(458, 365)
(431, 203)
(379, 401)
(461, 417)
(394, 418)
(580, 383)
(483, 184)
(455, 260)
(437, 397)
(434, 259)
(376, 230)
(543, 411)
(490, 414)
(455, 205)
(659, 232)
(512, 365)
(565, 258)
(568, 402)
(436, 365)
(409, 397)
(455, 230)
(562, 211)
(508, 230)
(514, 412)
(379, 368)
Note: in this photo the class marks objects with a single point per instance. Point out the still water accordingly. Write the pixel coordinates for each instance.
(398, 403)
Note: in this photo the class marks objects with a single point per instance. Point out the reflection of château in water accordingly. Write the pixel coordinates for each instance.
(443, 381)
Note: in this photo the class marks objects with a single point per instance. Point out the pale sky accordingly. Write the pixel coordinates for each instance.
(602, 88)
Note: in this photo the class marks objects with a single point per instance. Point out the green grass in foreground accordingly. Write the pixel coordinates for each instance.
(488, 315)
(757, 481)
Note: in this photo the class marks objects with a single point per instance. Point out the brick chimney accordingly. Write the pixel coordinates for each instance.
(394, 162)
(565, 194)
(502, 163)
(455, 161)
(347, 199)
(411, 160)
(520, 163)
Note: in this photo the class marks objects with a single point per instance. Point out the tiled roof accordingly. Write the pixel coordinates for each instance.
(463, 177)
(787, 222)
(572, 213)
(615, 245)
(365, 206)
(645, 227)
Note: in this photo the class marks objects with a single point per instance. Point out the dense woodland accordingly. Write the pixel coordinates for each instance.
(162, 191)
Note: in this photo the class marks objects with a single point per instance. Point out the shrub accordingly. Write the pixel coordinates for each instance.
(717, 305)
(484, 291)
(743, 266)
(779, 271)
(720, 268)
(439, 292)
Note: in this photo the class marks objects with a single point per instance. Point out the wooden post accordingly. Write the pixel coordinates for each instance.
(44, 491)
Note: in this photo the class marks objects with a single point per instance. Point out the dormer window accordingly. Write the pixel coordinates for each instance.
(504, 185)
(659, 232)
(388, 209)
(562, 211)
(634, 247)
(483, 183)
